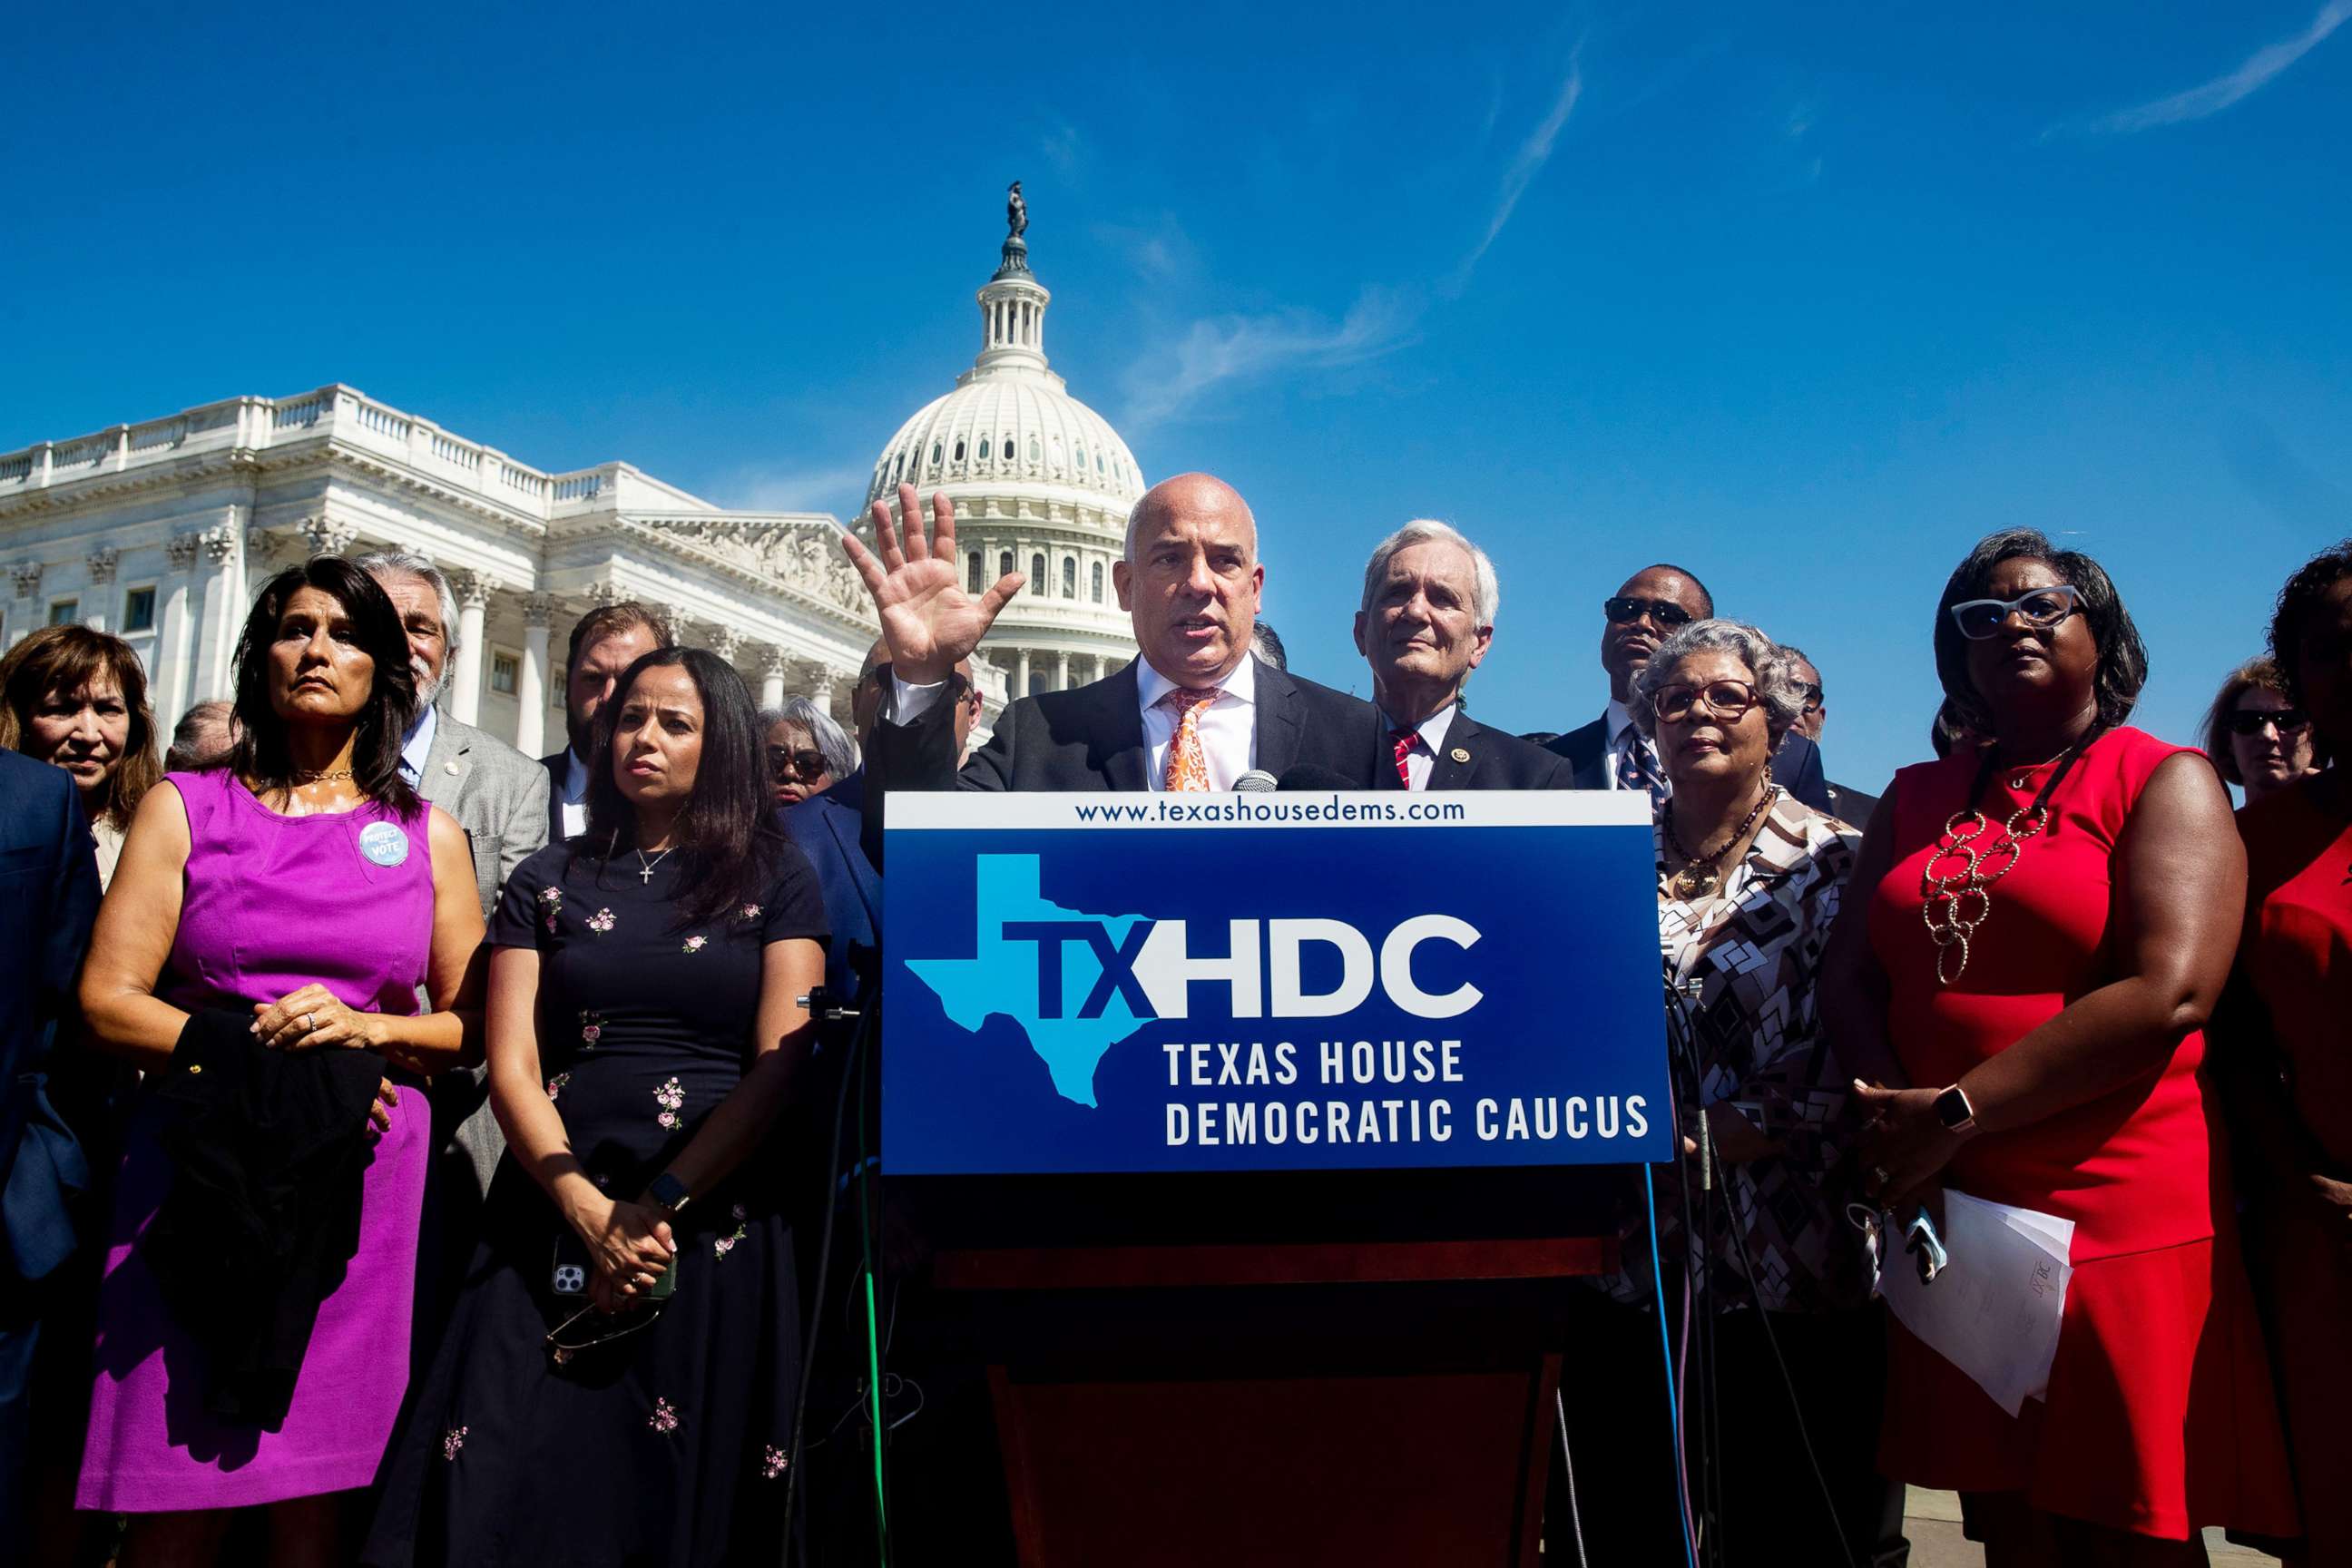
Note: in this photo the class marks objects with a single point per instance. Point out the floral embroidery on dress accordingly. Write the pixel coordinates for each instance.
(695, 943)
(601, 921)
(773, 1462)
(750, 912)
(591, 1027)
(550, 904)
(452, 1440)
(664, 1416)
(721, 1245)
(671, 1097)
(555, 1085)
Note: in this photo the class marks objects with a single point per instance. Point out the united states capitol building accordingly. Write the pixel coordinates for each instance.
(162, 531)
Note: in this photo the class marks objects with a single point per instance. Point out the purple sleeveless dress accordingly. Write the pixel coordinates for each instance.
(271, 903)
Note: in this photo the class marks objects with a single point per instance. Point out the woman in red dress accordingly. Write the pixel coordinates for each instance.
(2288, 1055)
(2050, 920)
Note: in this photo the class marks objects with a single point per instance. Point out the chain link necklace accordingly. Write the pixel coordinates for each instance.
(1699, 878)
(1956, 882)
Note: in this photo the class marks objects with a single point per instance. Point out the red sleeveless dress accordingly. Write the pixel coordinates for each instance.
(2160, 1417)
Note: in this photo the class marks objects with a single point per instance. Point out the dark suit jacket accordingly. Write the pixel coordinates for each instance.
(48, 897)
(1091, 738)
(1474, 757)
(1851, 805)
(556, 768)
(1796, 767)
(828, 828)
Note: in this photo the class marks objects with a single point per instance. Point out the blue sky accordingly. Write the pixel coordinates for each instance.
(1805, 297)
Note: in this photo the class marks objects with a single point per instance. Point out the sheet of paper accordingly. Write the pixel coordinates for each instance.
(1994, 1310)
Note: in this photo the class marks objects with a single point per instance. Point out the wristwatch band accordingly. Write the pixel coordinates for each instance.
(670, 1192)
(1953, 1110)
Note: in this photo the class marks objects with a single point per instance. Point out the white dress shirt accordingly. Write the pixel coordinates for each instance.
(419, 745)
(1618, 719)
(1228, 726)
(1428, 736)
(573, 795)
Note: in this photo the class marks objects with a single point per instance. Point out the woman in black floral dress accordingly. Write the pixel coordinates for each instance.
(617, 1383)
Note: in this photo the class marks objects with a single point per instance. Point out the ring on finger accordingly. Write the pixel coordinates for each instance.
(306, 1022)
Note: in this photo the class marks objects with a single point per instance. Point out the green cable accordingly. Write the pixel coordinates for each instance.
(873, 1330)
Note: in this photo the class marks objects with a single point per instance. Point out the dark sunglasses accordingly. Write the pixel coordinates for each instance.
(2252, 721)
(782, 759)
(1812, 694)
(1728, 700)
(1625, 611)
(2045, 607)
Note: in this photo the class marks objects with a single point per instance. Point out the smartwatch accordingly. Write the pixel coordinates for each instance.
(671, 1194)
(1953, 1110)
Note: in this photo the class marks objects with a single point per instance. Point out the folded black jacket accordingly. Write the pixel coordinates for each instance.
(268, 1150)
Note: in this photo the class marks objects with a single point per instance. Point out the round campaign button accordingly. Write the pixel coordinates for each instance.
(383, 843)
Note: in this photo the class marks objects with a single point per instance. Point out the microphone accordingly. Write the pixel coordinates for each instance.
(1307, 775)
(1257, 781)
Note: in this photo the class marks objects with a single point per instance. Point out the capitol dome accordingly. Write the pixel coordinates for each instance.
(1041, 485)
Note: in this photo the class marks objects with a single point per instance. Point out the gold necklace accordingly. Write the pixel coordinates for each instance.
(1952, 918)
(305, 776)
(1698, 879)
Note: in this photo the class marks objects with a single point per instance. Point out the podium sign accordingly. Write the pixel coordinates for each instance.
(1125, 982)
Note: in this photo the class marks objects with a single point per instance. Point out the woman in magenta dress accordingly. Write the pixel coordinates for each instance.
(306, 884)
(2289, 1055)
(2050, 920)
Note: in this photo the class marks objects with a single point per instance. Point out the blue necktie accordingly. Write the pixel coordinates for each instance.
(1636, 769)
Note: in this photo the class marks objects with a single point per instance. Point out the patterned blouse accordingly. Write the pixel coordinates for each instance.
(1746, 966)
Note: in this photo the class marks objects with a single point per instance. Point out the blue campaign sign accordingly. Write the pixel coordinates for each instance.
(1107, 982)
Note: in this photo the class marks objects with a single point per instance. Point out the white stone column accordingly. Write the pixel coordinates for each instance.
(473, 590)
(175, 643)
(530, 683)
(225, 605)
(821, 687)
(772, 665)
(100, 598)
(1020, 678)
(1062, 671)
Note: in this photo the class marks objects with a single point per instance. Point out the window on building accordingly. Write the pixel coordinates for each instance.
(1037, 574)
(983, 448)
(971, 573)
(1004, 564)
(1069, 577)
(1098, 598)
(959, 456)
(935, 454)
(1036, 452)
(506, 671)
(64, 612)
(1005, 447)
(1082, 454)
(139, 611)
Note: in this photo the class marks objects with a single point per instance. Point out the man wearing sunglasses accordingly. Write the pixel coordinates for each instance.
(1609, 753)
(1848, 805)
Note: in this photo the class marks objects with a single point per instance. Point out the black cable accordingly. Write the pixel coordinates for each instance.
(1680, 1025)
(857, 1042)
(1698, 1302)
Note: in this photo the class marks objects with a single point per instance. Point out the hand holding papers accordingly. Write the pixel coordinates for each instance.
(1993, 1310)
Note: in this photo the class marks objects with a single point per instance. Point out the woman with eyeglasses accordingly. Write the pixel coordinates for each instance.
(2257, 737)
(807, 753)
(2286, 1058)
(1748, 883)
(2045, 926)
(618, 1379)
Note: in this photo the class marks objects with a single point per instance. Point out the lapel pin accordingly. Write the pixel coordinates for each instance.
(449, 767)
(1460, 755)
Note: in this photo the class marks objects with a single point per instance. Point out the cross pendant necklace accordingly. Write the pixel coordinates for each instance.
(646, 869)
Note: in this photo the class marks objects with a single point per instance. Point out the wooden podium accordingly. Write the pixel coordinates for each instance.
(1277, 1401)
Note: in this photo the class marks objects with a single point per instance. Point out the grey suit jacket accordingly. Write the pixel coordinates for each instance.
(498, 796)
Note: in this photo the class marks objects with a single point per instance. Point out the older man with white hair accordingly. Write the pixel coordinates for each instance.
(1426, 621)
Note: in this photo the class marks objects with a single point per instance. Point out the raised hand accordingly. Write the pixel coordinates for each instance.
(928, 620)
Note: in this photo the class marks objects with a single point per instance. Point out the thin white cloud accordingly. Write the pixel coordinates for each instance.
(836, 489)
(1062, 146)
(2262, 67)
(1237, 348)
(1528, 161)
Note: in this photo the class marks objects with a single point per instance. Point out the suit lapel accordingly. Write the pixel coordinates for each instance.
(1277, 706)
(1463, 737)
(439, 785)
(1117, 720)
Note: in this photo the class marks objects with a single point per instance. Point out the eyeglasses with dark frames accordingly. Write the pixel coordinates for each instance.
(808, 764)
(2043, 608)
(1728, 700)
(1812, 694)
(1625, 610)
(2254, 720)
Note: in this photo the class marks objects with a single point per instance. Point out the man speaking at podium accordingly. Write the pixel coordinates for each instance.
(1196, 712)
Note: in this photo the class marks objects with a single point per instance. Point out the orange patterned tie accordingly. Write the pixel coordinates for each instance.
(1188, 763)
